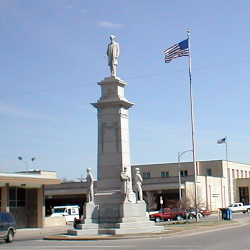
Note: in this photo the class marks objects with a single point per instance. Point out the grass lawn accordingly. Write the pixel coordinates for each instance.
(200, 225)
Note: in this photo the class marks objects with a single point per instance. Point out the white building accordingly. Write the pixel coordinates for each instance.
(216, 181)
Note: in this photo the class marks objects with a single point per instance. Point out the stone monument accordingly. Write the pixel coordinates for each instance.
(115, 209)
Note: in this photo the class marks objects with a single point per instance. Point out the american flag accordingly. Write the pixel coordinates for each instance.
(220, 141)
(178, 50)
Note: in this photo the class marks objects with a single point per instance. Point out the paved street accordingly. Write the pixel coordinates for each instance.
(235, 237)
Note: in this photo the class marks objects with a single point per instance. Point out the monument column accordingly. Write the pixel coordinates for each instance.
(113, 134)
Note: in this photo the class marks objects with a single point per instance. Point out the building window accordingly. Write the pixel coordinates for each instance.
(146, 175)
(184, 173)
(238, 175)
(17, 197)
(164, 174)
(209, 172)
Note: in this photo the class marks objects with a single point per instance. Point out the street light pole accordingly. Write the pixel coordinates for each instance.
(179, 164)
(26, 162)
(81, 179)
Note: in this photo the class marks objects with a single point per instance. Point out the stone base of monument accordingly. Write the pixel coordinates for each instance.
(84, 229)
(126, 218)
(90, 210)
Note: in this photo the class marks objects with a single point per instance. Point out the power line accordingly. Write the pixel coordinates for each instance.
(46, 90)
(134, 77)
(58, 141)
(197, 68)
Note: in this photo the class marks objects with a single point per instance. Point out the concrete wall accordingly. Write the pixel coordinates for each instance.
(26, 217)
(55, 221)
(20, 215)
(215, 166)
(4, 198)
(32, 208)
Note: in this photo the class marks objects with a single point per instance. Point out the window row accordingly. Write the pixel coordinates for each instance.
(240, 173)
(146, 175)
(183, 173)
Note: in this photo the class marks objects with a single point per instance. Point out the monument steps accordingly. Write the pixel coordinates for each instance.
(83, 231)
(138, 224)
(131, 230)
(124, 229)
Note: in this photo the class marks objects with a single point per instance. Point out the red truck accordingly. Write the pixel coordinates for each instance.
(168, 214)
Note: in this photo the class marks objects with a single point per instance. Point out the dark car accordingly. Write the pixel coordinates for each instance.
(7, 226)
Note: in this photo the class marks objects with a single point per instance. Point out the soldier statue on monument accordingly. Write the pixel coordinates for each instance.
(125, 178)
(90, 186)
(138, 184)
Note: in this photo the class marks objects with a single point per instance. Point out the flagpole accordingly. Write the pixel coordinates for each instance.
(192, 124)
(226, 150)
(229, 173)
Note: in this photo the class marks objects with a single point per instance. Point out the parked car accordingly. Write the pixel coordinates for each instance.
(205, 212)
(168, 214)
(70, 212)
(201, 213)
(191, 214)
(153, 212)
(7, 226)
(239, 207)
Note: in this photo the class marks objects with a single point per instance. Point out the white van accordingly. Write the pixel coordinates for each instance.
(69, 212)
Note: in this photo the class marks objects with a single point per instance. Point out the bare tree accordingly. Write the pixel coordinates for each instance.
(150, 199)
(64, 180)
(189, 201)
(172, 203)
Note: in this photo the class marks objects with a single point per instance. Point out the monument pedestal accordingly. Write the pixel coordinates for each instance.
(90, 210)
(133, 219)
(115, 219)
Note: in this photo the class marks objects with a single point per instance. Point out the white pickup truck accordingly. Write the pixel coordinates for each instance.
(69, 212)
(239, 207)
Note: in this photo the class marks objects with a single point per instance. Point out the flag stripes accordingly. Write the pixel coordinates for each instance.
(220, 141)
(178, 50)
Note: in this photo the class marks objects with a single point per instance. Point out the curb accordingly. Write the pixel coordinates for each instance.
(102, 237)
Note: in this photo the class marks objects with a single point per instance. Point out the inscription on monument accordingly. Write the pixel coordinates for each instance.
(109, 211)
(109, 132)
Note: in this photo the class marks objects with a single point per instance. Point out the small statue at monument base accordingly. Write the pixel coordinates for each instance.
(90, 186)
(138, 184)
(125, 178)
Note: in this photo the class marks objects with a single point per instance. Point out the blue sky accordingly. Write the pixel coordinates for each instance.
(52, 58)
